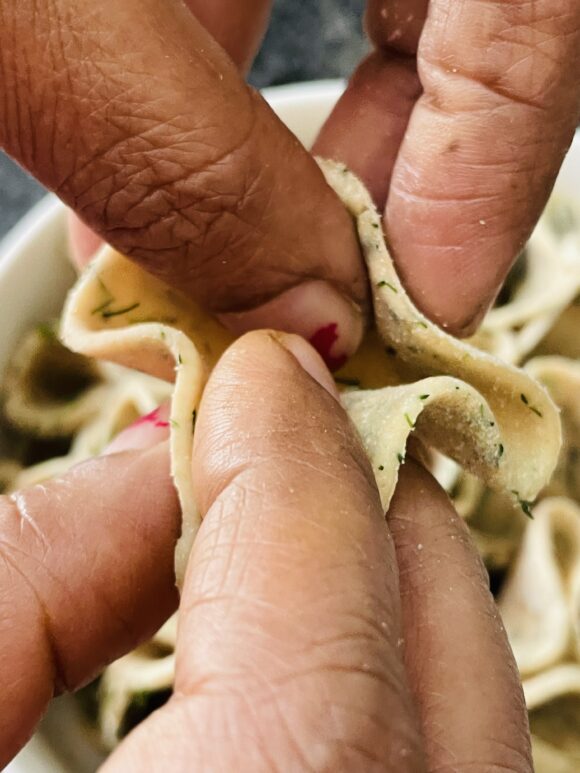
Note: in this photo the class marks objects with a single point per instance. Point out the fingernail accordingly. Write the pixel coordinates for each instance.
(314, 310)
(146, 432)
(309, 359)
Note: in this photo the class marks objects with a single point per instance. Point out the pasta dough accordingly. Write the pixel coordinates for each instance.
(491, 418)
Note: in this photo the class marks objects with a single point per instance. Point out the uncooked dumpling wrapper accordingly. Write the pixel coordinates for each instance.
(540, 601)
(493, 419)
(562, 378)
(553, 701)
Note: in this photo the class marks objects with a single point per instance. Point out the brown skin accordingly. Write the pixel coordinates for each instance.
(122, 131)
(483, 144)
(459, 124)
(312, 636)
(142, 124)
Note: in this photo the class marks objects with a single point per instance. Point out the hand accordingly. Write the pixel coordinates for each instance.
(313, 634)
(138, 121)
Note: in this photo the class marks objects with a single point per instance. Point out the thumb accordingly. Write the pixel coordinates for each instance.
(288, 645)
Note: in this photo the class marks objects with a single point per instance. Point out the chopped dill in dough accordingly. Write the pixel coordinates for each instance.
(381, 467)
(47, 331)
(108, 313)
(423, 397)
(401, 458)
(384, 283)
(345, 381)
(409, 421)
(532, 408)
(524, 504)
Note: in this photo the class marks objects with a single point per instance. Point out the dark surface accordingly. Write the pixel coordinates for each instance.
(307, 40)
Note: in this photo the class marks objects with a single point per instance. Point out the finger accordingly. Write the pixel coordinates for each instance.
(288, 647)
(457, 656)
(86, 573)
(145, 128)
(83, 242)
(239, 29)
(366, 127)
(396, 24)
(483, 147)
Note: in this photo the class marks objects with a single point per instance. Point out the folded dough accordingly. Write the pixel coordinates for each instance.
(553, 700)
(540, 601)
(493, 419)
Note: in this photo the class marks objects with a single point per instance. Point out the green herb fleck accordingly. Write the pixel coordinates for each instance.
(409, 421)
(401, 458)
(103, 286)
(525, 401)
(381, 467)
(102, 307)
(162, 334)
(492, 423)
(500, 450)
(107, 314)
(193, 418)
(423, 397)
(524, 504)
(384, 283)
(482, 410)
(180, 359)
(420, 323)
(376, 225)
(46, 331)
(174, 423)
(457, 389)
(527, 508)
(345, 381)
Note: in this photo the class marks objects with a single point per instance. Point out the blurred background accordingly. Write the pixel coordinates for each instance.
(307, 40)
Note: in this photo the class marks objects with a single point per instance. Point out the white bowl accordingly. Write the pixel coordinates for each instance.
(34, 277)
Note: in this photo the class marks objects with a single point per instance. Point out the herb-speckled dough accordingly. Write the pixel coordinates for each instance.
(493, 419)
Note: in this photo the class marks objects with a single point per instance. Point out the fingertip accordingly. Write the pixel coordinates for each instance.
(315, 310)
(309, 359)
(83, 241)
(144, 433)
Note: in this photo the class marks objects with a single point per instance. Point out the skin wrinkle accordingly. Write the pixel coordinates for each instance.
(441, 665)
(120, 94)
(59, 676)
(302, 640)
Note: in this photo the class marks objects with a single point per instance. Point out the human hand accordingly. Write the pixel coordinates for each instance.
(313, 634)
(143, 126)
(459, 122)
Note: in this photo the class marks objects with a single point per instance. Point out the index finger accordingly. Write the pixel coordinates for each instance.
(139, 121)
(483, 147)
(465, 154)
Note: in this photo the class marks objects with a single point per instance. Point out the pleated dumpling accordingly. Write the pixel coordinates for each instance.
(493, 419)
